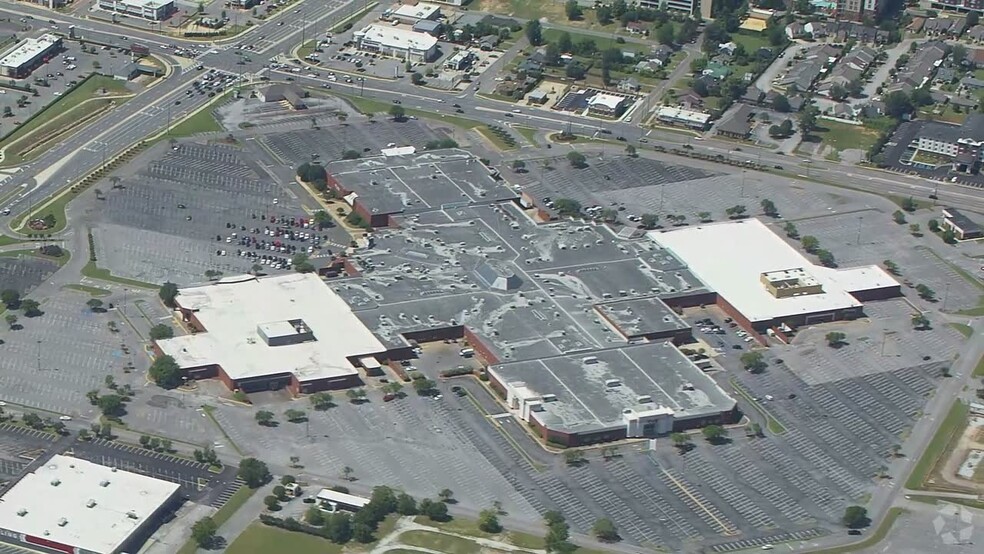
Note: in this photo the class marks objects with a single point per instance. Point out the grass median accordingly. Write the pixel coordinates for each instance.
(227, 510)
(874, 538)
(60, 113)
(955, 420)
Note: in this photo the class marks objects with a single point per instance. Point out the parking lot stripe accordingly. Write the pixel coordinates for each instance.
(727, 529)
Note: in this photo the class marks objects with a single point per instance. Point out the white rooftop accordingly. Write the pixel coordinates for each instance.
(730, 257)
(610, 101)
(670, 112)
(27, 49)
(233, 308)
(397, 38)
(92, 507)
(420, 11)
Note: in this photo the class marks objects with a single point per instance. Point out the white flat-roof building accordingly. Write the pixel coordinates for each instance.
(410, 14)
(398, 43)
(76, 506)
(153, 10)
(682, 117)
(763, 282)
(608, 105)
(261, 334)
(29, 53)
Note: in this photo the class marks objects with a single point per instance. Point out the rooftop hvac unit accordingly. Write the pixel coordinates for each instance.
(549, 397)
(644, 399)
(104, 483)
(22, 512)
(132, 515)
(55, 482)
(90, 503)
(62, 522)
(612, 382)
(589, 360)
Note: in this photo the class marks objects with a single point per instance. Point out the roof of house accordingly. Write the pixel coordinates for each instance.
(738, 122)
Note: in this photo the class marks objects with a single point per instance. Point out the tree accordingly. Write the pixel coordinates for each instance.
(835, 339)
(665, 34)
(915, 230)
(680, 440)
(920, 322)
(10, 299)
(769, 208)
(899, 217)
(338, 528)
(925, 292)
(264, 418)
(754, 429)
(161, 331)
(577, 160)
(557, 533)
(791, 231)
(435, 511)
(406, 505)
(567, 207)
(534, 32)
(301, 263)
(397, 112)
(518, 166)
(295, 416)
(575, 70)
(416, 78)
(754, 362)
(897, 104)
(30, 307)
(168, 292)
(488, 521)
(714, 433)
(165, 372)
(33, 420)
(253, 472)
(8, 111)
(11, 320)
(630, 151)
(203, 531)
(574, 457)
(810, 243)
(808, 119)
(855, 516)
(362, 533)
(891, 267)
(424, 387)
(272, 502)
(573, 11)
(94, 304)
(206, 456)
(909, 204)
(347, 473)
(735, 212)
(110, 405)
(605, 530)
(649, 221)
(826, 258)
(949, 236)
(314, 516)
(446, 496)
(933, 226)
(321, 401)
(322, 219)
(355, 395)
(781, 104)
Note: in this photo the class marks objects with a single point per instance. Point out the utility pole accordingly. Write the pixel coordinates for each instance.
(860, 221)
(39, 354)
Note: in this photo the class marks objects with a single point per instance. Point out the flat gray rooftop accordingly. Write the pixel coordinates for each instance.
(419, 182)
(426, 274)
(584, 401)
(642, 316)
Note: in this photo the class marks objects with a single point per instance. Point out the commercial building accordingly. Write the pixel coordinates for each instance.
(961, 225)
(153, 10)
(28, 54)
(255, 334)
(334, 501)
(645, 318)
(50, 4)
(692, 7)
(461, 59)
(608, 105)
(646, 390)
(291, 94)
(962, 6)
(412, 13)
(963, 144)
(764, 283)
(70, 505)
(396, 42)
(683, 118)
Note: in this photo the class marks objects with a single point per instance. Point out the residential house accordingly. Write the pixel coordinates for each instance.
(970, 84)
(975, 57)
(629, 85)
(920, 69)
(738, 124)
(916, 26)
(717, 71)
(843, 110)
(945, 75)
(872, 109)
(795, 30)
(965, 103)
(648, 66)
(637, 28)
(689, 100)
(727, 48)
(662, 53)
(975, 34)
(807, 69)
(945, 27)
(753, 96)
(851, 67)
(488, 42)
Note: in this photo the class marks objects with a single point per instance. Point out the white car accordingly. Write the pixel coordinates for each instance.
(65, 418)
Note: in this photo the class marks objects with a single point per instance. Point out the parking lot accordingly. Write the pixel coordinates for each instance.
(296, 147)
(55, 358)
(194, 207)
(19, 446)
(23, 273)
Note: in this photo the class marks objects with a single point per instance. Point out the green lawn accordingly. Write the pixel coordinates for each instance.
(60, 260)
(979, 370)
(751, 41)
(262, 539)
(773, 424)
(872, 539)
(93, 271)
(965, 330)
(231, 506)
(62, 105)
(447, 544)
(946, 114)
(201, 122)
(843, 136)
(527, 133)
(955, 420)
(91, 291)
(495, 139)
(551, 35)
(6, 241)
(306, 50)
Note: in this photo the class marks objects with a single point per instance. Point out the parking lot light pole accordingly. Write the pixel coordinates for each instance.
(39, 354)
(362, 85)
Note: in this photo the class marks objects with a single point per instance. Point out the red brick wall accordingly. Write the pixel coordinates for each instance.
(482, 351)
